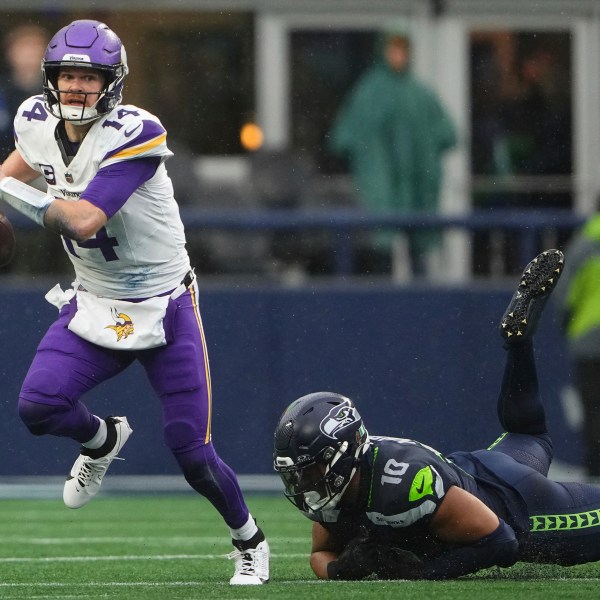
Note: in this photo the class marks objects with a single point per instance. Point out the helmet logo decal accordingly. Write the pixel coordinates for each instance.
(123, 326)
(303, 459)
(339, 417)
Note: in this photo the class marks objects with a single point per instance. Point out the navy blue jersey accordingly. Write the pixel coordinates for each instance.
(402, 485)
(403, 482)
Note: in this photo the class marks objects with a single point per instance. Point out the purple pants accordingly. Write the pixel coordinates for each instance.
(66, 366)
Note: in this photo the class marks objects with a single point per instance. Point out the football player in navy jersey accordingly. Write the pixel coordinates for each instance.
(392, 508)
(135, 296)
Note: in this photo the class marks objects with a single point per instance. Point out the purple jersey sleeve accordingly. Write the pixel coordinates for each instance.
(112, 186)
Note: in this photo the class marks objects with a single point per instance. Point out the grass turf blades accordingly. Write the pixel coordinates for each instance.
(174, 547)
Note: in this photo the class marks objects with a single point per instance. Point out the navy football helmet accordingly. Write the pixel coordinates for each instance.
(85, 43)
(318, 442)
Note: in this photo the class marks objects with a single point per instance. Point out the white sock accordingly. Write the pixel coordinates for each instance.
(246, 531)
(99, 438)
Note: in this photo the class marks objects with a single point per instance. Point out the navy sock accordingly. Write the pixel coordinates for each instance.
(520, 408)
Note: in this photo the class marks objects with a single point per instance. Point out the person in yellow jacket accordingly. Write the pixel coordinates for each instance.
(578, 300)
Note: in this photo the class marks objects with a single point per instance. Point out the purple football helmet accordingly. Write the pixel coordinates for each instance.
(85, 43)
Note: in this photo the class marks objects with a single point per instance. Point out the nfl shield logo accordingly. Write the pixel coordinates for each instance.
(69, 177)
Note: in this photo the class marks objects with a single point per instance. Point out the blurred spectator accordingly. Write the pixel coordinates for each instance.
(24, 47)
(394, 131)
(521, 133)
(578, 300)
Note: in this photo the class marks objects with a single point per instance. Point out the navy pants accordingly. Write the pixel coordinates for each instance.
(564, 518)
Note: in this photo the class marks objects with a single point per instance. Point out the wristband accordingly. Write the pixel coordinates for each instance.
(26, 199)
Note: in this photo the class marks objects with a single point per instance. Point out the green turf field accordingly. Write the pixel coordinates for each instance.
(167, 547)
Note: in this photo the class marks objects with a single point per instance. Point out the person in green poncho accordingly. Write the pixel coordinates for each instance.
(578, 302)
(393, 130)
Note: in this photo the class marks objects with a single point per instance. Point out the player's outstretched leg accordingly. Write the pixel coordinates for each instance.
(85, 478)
(539, 278)
(520, 409)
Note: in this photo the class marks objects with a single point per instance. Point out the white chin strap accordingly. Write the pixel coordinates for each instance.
(78, 113)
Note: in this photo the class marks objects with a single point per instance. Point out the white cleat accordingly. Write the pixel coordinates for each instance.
(251, 565)
(85, 478)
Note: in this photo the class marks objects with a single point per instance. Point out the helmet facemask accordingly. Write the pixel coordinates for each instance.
(318, 481)
(85, 44)
(323, 483)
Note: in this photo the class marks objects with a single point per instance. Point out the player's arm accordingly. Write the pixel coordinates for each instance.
(106, 193)
(483, 540)
(462, 518)
(15, 166)
(323, 551)
(355, 559)
(76, 220)
(478, 539)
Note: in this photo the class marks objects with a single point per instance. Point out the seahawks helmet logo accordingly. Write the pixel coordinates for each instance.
(339, 417)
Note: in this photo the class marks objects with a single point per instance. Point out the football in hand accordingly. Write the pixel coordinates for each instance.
(8, 242)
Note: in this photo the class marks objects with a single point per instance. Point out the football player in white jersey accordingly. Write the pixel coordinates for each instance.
(134, 296)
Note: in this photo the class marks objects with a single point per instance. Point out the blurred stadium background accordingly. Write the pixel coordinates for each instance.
(274, 228)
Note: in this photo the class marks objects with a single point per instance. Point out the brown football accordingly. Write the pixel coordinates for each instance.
(8, 242)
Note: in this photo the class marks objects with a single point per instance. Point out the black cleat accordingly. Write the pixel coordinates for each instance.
(539, 278)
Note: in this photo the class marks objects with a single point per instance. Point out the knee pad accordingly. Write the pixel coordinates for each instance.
(43, 383)
(39, 418)
(183, 435)
(39, 400)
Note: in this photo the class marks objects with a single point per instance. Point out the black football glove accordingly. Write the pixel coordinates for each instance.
(365, 558)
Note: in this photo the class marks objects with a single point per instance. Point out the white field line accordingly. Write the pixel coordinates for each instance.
(158, 557)
(167, 584)
(143, 540)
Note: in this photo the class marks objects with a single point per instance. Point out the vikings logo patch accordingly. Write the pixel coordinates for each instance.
(338, 418)
(123, 326)
(69, 177)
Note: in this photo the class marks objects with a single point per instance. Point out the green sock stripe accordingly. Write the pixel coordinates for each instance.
(582, 520)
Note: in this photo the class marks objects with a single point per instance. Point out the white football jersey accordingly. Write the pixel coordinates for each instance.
(141, 250)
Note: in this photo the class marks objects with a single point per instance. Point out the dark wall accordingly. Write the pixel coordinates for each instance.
(420, 362)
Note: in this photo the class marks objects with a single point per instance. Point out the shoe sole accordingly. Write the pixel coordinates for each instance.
(538, 280)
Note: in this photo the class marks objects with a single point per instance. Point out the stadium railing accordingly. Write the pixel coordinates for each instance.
(345, 223)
